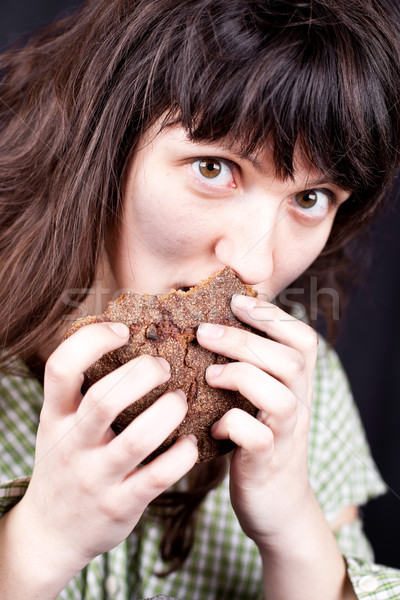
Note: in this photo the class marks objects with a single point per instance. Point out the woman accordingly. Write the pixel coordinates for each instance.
(154, 144)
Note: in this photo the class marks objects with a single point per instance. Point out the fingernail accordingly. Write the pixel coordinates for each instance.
(180, 393)
(211, 331)
(120, 329)
(192, 438)
(214, 370)
(163, 363)
(214, 426)
(244, 302)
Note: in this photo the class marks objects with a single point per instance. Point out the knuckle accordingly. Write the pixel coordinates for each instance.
(160, 480)
(87, 484)
(231, 417)
(96, 404)
(46, 422)
(235, 413)
(243, 369)
(265, 440)
(55, 370)
(112, 510)
(288, 406)
(243, 339)
(311, 339)
(132, 448)
(296, 364)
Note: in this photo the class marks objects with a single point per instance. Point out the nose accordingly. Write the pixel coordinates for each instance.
(248, 244)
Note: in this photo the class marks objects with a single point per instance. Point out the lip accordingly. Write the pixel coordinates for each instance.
(185, 288)
(182, 286)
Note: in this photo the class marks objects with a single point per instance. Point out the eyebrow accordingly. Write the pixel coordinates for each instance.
(257, 164)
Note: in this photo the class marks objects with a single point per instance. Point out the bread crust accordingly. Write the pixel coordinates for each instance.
(166, 325)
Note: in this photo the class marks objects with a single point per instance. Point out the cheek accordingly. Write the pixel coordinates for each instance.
(162, 224)
(296, 256)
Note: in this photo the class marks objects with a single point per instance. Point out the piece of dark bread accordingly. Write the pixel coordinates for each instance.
(166, 326)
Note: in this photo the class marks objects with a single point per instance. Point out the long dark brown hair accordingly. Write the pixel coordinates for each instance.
(318, 78)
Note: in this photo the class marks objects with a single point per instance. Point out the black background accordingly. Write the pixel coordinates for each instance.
(370, 332)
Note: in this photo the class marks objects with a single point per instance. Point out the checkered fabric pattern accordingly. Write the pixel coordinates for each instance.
(224, 563)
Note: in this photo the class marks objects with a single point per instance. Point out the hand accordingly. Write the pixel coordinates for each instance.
(269, 477)
(87, 492)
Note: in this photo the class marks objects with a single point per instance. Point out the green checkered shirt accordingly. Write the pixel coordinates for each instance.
(223, 563)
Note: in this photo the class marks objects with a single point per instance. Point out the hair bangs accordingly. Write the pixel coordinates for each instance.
(298, 87)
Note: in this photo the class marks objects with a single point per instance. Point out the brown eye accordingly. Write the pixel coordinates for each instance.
(210, 168)
(313, 204)
(307, 199)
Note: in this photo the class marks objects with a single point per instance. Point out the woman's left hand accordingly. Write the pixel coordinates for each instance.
(269, 475)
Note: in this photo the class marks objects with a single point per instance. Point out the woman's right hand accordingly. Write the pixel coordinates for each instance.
(87, 491)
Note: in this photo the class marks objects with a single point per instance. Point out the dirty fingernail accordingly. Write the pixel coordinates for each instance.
(211, 331)
(192, 438)
(119, 329)
(214, 426)
(163, 363)
(180, 393)
(244, 302)
(215, 370)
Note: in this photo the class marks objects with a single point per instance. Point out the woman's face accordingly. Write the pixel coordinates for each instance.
(191, 209)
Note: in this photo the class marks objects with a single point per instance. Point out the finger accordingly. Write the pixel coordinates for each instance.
(247, 433)
(282, 362)
(277, 324)
(154, 478)
(109, 396)
(145, 433)
(270, 396)
(64, 369)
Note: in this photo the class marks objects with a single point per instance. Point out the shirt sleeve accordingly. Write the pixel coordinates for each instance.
(343, 473)
(11, 492)
(20, 403)
(373, 582)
